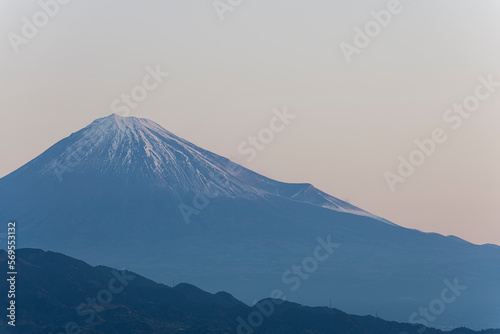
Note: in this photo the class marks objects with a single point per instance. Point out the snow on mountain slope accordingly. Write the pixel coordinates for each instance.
(140, 148)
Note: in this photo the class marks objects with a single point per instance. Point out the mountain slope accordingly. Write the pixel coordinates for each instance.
(55, 291)
(112, 194)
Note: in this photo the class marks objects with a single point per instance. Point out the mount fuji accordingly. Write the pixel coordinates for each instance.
(126, 193)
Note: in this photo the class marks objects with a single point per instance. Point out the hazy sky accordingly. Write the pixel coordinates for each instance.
(353, 120)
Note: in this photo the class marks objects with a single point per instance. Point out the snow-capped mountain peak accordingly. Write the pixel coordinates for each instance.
(130, 149)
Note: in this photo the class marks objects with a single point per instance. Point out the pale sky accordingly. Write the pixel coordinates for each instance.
(353, 119)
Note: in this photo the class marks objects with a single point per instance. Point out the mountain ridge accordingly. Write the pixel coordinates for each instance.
(140, 305)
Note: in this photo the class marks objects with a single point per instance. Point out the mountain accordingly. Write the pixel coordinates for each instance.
(58, 294)
(125, 192)
(140, 152)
